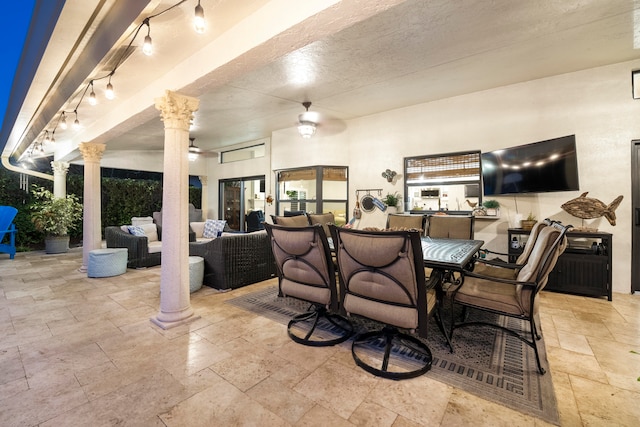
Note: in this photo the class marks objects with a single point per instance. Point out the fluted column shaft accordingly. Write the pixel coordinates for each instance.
(59, 178)
(92, 221)
(176, 112)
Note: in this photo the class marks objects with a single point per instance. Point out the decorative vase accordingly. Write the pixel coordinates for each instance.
(56, 244)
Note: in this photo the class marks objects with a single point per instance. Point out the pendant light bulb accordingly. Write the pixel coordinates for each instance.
(63, 121)
(92, 96)
(109, 94)
(46, 136)
(199, 24)
(76, 122)
(147, 47)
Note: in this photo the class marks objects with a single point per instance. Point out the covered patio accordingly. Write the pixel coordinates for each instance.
(81, 351)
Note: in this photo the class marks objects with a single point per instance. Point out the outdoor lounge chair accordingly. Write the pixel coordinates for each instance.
(8, 228)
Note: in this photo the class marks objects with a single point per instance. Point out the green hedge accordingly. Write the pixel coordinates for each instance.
(121, 200)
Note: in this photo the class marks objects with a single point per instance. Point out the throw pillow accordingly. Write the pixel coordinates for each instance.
(213, 228)
(136, 230)
(151, 231)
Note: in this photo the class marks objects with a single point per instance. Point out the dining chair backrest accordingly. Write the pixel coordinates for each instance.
(324, 219)
(528, 246)
(450, 226)
(406, 222)
(305, 268)
(291, 221)
(382, 276)
(550, 244)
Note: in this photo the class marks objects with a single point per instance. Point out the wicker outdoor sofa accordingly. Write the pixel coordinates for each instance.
(235, 259)
(139, 255)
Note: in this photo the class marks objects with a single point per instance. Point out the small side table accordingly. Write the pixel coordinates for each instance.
(107, 262)
(196, 273)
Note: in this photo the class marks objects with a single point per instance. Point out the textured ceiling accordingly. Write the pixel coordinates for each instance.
(415, 52)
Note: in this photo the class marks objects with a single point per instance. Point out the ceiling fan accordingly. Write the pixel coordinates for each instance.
(310, 121)
(194, 151)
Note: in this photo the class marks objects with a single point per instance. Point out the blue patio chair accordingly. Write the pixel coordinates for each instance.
(7, 214)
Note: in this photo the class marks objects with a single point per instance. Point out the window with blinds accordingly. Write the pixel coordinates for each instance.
(443, 182)
(443, 168)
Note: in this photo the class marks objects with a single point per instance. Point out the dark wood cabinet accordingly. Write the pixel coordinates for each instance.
(585, 266)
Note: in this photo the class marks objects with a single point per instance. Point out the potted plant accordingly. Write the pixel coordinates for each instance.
(491, 207)
(392, 200)
(527, 224)
(54, 216)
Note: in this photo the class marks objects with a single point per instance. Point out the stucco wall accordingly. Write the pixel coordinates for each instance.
(595, 105)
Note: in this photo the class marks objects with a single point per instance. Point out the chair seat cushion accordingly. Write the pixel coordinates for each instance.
(401, 317)
(155, 247)
(491, 295)
(495, 271)
(320, 295)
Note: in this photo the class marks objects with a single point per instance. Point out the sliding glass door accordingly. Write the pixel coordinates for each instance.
(238, 197)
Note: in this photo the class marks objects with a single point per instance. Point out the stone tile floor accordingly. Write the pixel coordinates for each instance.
(76, 351)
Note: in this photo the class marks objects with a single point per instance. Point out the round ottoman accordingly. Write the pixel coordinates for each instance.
(107, 262)
(196, 273)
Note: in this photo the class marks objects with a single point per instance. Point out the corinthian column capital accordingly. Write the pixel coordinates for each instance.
(176, 110)
(91, 151)
(59, 167)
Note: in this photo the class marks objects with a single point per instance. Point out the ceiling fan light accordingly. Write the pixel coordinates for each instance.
(306, 129)
(193, 156)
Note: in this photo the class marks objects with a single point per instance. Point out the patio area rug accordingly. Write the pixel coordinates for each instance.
(486, 362)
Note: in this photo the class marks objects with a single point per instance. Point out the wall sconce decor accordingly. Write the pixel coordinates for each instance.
(635, 84)
(389, 175)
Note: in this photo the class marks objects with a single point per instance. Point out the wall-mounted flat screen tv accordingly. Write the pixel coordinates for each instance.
(540, 167)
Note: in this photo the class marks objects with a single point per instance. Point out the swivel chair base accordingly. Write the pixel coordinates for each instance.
(302, 328)
(394, 342)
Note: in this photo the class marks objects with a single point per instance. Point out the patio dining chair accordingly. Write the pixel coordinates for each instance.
(382, 279)
(306, 272)
(515, 297)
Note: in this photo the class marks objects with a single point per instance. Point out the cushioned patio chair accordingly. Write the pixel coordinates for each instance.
(450, 226)
(8, 229)
(255, 221)
(406, 222)
(382, 279)
(291, 221)
(497, 267)
(324, 219)
(515, 297)
(306, 272)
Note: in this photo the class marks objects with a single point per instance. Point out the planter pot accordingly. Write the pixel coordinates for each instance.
(56, 244)
(392, 209)
(527, 225)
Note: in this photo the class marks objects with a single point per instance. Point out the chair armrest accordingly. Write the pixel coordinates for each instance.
(499, 263)
(137, 246)
(468, 273)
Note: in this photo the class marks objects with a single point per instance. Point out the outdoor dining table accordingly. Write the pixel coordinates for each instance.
(446, 257)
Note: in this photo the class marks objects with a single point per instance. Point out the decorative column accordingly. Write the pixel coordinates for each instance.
(176, 112)
(204, 201)
(59, 179)
(91, 220)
